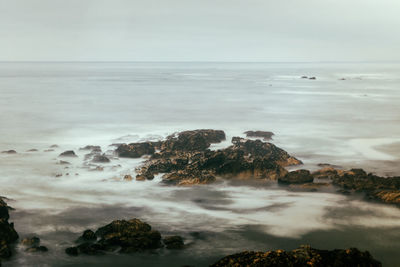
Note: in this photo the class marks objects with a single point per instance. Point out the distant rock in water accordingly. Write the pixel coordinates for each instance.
(123, 236)
(304, 256)
(54, 146)
(91, 148)
(312, 78)
(33, 244)
(8, 235)
(68, 153)
(297, 177)
(32, 150)
(185, 159)
(173, 242)
(261, 134)
(100, 159)
(9, 152)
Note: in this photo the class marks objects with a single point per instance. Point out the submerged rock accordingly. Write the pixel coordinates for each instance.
(297, 177)
(91, 148)
(100, 159)
(303, 256)
(32, 150)
(262, 134)
(9, 152)
(8, 235)
(68, 153)
(31, 241)
(173, 242)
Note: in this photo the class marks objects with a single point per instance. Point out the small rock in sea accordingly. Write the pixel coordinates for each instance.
(58, 175)
(98, 168)
(68, 153)
(31, 241)
(342, 79)
(76, 174)
(327, 165)
(128, 177)
(32, 150)
(9, 152)
(304, 77)
(91, 148)
(312, 78)
(48, 150)
(100, 159)
(63, 162)
(37, 249)
(140, 178)
(173, 242)
(53, 146)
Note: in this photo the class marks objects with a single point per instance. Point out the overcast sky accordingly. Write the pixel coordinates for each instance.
(200, 30)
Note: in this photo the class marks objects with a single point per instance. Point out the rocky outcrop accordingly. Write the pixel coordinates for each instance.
(297, 177)
(261, 134)
(303, 256)
(68, 153)
(123, 236)
(8, 235)
(135, 150)
(185, 159)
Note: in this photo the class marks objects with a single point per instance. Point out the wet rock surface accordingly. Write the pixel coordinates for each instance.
(303, 256)
(185, 159)
(122, 236)
(8, 235)
(262, 134)
(297, 177)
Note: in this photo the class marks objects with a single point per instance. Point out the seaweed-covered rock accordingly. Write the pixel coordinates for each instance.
(185, 160)
(301, 257)
(8, 235)
(68, 153)
(135, 150)
(297, 177)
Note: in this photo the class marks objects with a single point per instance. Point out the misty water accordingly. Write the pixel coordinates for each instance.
(349, 116)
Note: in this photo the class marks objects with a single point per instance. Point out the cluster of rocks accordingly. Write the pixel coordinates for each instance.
(384, 189)
(125, 237)
(304, 256)
(8, 235)
(32, 244)
(185, 158)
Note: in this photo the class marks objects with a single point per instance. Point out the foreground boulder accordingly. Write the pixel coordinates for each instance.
(123, 236)
(8, 235)
(303, 256)
(186, 159)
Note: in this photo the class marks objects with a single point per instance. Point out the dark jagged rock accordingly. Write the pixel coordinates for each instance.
(8, 235)
(263, 134)
(297, 177)
(135, 150)
(88, 235)
(124, 236)
(196, 140)
(100, 159)
(301, 257)
(68, 153)
(187, 161)
(9, 152)
(173, 242)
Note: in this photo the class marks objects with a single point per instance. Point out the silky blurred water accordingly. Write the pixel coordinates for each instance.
(348, 116)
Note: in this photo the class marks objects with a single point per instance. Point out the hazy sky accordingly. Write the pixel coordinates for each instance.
(200, 30)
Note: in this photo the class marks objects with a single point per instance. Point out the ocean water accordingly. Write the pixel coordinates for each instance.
(348, 116)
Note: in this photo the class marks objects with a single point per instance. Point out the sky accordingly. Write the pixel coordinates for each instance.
(200, 30)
